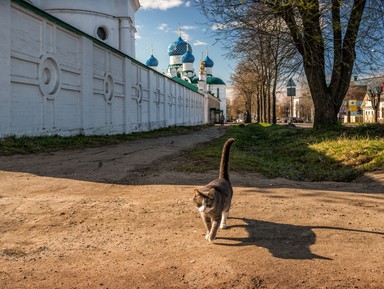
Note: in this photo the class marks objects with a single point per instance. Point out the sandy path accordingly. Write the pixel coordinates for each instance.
(97, 218)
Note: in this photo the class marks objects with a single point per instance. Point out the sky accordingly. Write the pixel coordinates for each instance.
(157, 23)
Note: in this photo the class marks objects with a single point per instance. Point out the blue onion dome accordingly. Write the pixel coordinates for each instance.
(179, 47)
(152, 61)
(208, 62)
(187, 57)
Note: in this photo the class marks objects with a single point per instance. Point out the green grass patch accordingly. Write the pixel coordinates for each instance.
(28, 145)
(342, 154)
(298, 154)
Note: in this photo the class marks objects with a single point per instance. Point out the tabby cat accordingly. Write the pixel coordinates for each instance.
(214, 200)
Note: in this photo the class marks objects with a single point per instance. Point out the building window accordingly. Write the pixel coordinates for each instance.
(218, 93)
(102, 32)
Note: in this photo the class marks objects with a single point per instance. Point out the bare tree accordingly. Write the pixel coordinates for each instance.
(375, 89)
(264, 56)
(328, 35)
(245, 86)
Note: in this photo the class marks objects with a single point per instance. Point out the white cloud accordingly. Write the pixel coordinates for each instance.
(163, 27)
(186, 27)
(218, 26)
(137, 34)
(186, 37)
(160, 4)
(198, 43)
(188, 4)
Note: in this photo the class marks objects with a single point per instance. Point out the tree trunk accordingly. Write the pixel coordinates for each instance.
(248, 118)
(258, 109)
(377, 105)
(326, 105)
(325, 111)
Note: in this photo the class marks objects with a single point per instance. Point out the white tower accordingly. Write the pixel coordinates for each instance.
(216, 85)
(112, 22)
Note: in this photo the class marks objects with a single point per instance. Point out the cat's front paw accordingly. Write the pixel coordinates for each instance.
(223, 226)
(209, 238)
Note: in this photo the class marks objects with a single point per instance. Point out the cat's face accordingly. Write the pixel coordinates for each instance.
(204, 202)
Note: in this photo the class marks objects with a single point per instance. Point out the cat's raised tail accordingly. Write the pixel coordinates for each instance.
(225, 159)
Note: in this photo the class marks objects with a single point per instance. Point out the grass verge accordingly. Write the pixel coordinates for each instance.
(297, 154)
(28, 145)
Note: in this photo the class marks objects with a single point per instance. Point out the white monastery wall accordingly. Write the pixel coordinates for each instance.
(58, 80)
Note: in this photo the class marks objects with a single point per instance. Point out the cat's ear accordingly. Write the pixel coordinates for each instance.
(211, 193)
(197, 192)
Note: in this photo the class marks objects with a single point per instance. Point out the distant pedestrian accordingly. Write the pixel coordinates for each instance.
(222, 119)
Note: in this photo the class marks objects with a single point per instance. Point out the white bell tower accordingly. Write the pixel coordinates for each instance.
(110, 21)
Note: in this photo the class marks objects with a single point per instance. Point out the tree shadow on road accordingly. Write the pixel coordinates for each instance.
(284, 241)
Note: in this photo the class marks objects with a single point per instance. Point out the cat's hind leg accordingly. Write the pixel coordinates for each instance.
(224, 217)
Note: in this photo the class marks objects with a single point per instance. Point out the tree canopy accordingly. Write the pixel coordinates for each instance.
(332, 40)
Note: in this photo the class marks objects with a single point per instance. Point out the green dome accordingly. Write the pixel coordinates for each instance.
(215, 80)
(195, 80)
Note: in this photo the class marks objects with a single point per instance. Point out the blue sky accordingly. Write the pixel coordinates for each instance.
(157, 23)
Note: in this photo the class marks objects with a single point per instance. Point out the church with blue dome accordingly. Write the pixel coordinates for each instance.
(181, 69)
(70, 68)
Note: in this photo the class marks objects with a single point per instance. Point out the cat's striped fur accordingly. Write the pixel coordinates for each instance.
(214, 200)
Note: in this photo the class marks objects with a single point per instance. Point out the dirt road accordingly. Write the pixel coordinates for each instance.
(119, 217)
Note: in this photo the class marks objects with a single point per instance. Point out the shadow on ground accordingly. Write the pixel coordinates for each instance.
(146, 161)
(284, 241)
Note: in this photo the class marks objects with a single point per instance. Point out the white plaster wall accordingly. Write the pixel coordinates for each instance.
(89, 23)
(222, 96)
(118, 8)
(117, 16)
(5, 66)
(57, 81)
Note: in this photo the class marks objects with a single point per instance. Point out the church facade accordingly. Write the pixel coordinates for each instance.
(69, 67)
(181, 69)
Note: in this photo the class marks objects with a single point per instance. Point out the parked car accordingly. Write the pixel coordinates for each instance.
(293, 119)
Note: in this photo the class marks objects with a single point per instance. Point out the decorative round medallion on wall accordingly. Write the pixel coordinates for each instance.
(139, 89)
(49, 76)
(170, 98)
(157, 96)
(109, 87)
